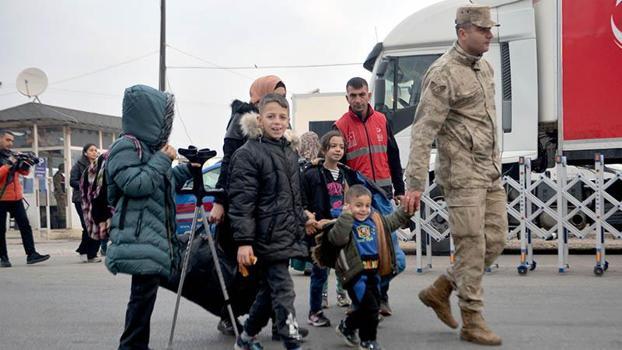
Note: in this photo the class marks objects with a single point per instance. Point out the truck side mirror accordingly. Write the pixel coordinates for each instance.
(380, 84)
(379, 90)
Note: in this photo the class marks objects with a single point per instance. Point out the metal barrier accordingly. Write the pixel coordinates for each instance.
(545, 205)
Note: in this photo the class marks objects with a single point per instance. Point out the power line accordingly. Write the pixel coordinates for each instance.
(168, 82)
(91, 73)
(8, 93)
(215, 66)
(296, 66)
(104, 68)
(84, 92)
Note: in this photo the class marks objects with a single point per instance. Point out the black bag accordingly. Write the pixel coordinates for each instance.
(202, 286)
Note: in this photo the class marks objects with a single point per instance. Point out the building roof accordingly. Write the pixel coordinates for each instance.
(46, 115)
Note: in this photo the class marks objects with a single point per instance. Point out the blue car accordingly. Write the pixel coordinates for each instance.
(185, 203)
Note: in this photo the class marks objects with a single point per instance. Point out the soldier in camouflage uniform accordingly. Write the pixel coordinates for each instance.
(457, 109)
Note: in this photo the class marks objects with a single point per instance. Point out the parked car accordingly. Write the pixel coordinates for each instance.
(185, 203)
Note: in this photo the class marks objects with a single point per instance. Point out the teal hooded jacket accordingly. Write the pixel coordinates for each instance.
(141, 187)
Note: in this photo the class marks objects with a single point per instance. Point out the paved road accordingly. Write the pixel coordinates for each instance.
(64, 304)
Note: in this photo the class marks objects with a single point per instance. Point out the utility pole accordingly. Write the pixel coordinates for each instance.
(162, 45)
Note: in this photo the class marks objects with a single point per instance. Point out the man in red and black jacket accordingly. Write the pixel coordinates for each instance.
(11, 195)
(372, 150)
(370, 145)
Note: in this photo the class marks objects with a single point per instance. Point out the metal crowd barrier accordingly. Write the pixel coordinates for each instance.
(546, 205)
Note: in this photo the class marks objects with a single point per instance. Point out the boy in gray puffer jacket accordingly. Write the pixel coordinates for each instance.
(141, 187)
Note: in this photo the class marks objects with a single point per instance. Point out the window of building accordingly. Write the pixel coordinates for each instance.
(51, 136)
(23, 137)
(80, 137)
(107, 140)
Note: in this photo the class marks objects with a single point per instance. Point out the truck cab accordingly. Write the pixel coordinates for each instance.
(536, 64)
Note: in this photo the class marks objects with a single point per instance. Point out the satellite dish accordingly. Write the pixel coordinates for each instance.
(32, 82)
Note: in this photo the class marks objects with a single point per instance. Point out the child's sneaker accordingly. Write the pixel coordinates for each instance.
(318, 319)
(369, 345)
(324, 300)
(385, 308)
(348, 336)
(251, 344)
(342, 300)
(304, 332)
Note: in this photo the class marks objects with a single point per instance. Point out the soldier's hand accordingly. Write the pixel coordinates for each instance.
(411, 201)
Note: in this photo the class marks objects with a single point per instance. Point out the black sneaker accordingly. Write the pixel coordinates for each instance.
(348, 336)
(252, 344)
(370, 345)
(225, 327)
(317, 319)
(36, 258)
(385, 308)
(304, 332)
(4, 262)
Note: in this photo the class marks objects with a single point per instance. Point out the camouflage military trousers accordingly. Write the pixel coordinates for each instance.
(479, 225)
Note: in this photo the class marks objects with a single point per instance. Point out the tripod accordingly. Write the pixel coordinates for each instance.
(198, 190)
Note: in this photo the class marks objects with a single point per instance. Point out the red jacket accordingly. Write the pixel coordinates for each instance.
(367, 147)
(13, 191)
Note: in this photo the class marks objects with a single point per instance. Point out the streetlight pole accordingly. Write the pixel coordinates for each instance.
(162, 45)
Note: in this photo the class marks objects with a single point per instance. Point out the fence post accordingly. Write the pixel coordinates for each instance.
(561, 230)
(522, 267)
(418, 240)
(599, 165)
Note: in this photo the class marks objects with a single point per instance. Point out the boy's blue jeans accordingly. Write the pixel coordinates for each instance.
(400, 257)
(319, 276)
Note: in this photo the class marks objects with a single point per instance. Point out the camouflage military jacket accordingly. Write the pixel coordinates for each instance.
(457, 108)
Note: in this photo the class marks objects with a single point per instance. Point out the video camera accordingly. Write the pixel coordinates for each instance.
(199, 156)
(21, 160)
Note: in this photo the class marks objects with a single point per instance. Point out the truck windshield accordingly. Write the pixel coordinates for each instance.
(403, 88)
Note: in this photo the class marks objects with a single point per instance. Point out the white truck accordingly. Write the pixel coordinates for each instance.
(558, 78)
(558, 75)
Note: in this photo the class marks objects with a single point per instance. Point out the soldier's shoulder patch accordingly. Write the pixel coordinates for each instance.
(438, 83)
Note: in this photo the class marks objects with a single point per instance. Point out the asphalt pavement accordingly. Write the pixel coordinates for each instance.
(66, 304)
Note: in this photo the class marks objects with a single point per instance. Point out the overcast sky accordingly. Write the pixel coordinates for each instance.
(70, 38)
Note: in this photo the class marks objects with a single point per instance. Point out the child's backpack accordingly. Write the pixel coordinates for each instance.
(96, 210)
(324, 254)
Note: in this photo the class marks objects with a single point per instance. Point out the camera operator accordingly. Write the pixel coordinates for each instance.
(11, 195)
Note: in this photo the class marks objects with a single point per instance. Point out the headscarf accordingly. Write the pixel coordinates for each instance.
(263, 86)
(309, 145)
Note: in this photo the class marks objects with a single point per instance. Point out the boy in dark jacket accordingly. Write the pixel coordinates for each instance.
(366, 253)
(267, 218)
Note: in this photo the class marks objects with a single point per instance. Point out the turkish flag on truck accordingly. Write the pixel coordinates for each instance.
(592, 69)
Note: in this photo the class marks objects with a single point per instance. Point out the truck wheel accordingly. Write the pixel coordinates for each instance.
(598, 271)
(522, 269)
